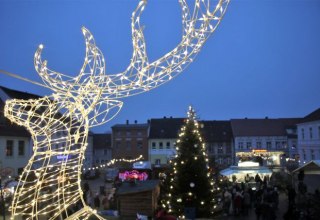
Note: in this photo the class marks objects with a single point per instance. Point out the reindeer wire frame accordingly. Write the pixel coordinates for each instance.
(59, 123)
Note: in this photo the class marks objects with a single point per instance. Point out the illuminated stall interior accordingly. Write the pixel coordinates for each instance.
(262, 156)
(243, 169)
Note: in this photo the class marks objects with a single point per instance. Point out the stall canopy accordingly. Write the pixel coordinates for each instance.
(234, 170)
(312, 167)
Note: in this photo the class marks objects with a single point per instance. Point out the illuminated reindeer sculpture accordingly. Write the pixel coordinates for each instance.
(59, 123)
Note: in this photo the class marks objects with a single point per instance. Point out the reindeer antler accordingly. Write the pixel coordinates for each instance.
(140, 75)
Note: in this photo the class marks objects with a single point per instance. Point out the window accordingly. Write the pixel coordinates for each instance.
(312, 154)
(139, 145)
(319, 132)
(310, 133)
(248, 145)
(228, 149)
(153, 145)
(302, 133)
(220, 150)
(105, 152)
(240, 145)
(21, 148)
(160, 145)
(9, 148)
(284, 144)
(220, 160)
(269, 145)
(278, 144)
(139, 133)
(168, 145)
(157, 161)
(128, 145)
(259, 145)
(128, 133)
(294, 146)
(118, 145)
(211, 148)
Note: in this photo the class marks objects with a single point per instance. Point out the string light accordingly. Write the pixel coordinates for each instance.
(59, 123)
(113, 161)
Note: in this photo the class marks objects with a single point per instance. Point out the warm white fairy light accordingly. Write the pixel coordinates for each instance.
(113, 161)
(59, 124)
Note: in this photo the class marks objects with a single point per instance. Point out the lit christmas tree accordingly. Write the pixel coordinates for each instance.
(190, 184)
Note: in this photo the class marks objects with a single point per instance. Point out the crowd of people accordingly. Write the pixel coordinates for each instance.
(98, 201)
(261, 199)
(240, 198)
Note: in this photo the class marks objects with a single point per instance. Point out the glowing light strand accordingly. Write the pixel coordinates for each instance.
(113, 161)
(59, 123)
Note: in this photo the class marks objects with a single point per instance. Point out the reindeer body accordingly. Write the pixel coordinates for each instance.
(59, 124)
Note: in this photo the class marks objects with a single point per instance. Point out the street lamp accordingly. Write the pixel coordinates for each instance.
(3, 202)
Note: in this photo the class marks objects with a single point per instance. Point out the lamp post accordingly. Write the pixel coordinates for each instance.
(3, 202)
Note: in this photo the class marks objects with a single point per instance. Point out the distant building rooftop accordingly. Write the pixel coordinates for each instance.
(101, 141)
(262, 127)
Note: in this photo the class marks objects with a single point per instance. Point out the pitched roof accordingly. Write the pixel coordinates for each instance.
(262, 127)
(165, 128)
(313, 116)
(312, 167)
(18, 94)
(101, 141)
(211, 131)
(9, 129)
(216, 131)
(130, 126)
(141, 186)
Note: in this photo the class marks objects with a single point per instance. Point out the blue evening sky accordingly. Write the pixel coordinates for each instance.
(263, 59)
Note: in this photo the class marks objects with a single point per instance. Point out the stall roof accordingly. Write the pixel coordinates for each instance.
(312, 167)
(141, 186)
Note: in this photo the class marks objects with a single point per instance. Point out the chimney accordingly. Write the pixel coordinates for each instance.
(127, 122)
(164, 117)
(266, 117)
(135, 121)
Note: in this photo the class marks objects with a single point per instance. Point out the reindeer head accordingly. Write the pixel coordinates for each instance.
(93, 93)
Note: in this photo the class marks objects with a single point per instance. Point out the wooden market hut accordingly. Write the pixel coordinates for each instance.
(311, 175)
(141, 197)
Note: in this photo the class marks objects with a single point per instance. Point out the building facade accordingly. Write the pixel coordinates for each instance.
(162, 138)
(267, 140)
(218, 138)
(309, 137)
(102, 149)
(15, 141)
(129, 141)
